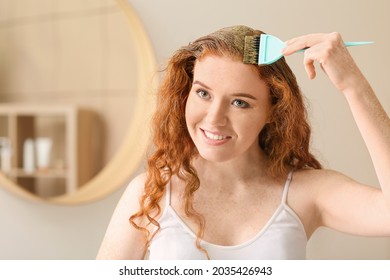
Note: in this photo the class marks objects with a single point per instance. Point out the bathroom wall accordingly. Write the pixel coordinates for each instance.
(37, 231)
(70, 52)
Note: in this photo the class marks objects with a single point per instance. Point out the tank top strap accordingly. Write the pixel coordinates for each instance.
(286, 187)
(168, 194)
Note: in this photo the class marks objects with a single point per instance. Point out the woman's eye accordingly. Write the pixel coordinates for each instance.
(240, 103)
(202, 94)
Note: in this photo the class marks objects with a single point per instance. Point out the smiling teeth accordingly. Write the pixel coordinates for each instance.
(214, 136)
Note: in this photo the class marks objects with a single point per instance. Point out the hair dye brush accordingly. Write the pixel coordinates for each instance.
(266, 49)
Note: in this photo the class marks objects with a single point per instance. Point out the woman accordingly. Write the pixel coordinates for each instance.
(231, 175)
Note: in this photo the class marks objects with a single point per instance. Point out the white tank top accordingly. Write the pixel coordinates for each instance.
(282, 237)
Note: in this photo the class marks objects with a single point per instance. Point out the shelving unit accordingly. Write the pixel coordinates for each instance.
(76, 143)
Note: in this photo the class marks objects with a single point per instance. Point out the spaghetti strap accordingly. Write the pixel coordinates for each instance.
(167, 200)
(168, 194)
(286, 186)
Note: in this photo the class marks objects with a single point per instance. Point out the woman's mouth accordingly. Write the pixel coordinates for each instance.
(214, 137)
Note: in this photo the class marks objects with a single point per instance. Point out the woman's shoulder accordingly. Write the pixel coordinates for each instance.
(313, 185)
(138, 181)
(135, 188)
(307, 189)
(317, 178)
(309, 186)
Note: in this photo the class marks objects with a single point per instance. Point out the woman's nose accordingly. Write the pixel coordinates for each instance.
(217, 114)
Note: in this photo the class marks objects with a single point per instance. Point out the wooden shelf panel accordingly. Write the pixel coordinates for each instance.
(51, 173)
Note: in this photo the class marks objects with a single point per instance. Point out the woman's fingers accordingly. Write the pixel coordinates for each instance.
(309, 67)
(329, 51)
(302, 42)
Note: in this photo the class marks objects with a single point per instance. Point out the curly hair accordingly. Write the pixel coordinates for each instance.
(285, 139)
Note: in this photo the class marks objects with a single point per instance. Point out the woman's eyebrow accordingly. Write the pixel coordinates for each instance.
(246, 95)
(196, 82)
(239, 94)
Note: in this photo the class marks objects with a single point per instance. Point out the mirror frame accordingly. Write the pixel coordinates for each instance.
(132, 151)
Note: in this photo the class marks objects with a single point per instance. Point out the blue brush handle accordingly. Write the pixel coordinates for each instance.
(349, 44)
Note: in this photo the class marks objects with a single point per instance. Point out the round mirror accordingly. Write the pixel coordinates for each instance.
(76, 88)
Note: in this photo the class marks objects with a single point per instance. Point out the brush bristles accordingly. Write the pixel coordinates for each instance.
(251, 49)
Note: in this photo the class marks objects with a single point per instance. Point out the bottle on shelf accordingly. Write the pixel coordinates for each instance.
(5, 155)
(28, 156)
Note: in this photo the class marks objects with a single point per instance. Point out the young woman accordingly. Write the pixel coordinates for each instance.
(231, 175)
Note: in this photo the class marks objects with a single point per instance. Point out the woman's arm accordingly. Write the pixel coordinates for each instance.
(122, 240)
(374, 126)
(343, 203)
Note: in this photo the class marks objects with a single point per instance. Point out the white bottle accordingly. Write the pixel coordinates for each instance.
(28, 156)
(43, 147)
(5, 155)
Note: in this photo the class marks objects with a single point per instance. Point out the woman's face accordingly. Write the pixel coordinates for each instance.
(227, 107)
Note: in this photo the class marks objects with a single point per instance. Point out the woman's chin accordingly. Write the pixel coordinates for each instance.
(215, 157)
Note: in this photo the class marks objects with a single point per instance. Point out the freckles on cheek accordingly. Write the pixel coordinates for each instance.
(188, 114)
(254, 126)
(191, 109)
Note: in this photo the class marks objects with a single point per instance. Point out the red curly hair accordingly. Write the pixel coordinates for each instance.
(285, 139)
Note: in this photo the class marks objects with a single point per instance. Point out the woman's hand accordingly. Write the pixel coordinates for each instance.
(343, 203)
(329, 51)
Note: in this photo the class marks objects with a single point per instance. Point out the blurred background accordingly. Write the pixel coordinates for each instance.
(81, 53)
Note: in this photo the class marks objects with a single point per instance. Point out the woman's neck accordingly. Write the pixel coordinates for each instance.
(238, 170)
